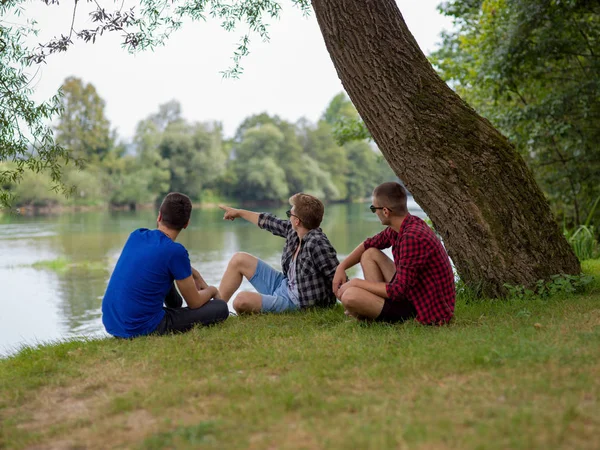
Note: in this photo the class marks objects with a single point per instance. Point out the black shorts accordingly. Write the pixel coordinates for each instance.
(396, 311)
(183, 319)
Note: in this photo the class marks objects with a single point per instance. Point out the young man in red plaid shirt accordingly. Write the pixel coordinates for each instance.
(418, 283)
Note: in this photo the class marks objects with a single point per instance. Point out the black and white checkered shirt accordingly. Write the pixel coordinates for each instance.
(315, 264)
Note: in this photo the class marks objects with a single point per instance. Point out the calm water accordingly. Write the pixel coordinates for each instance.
(41, 305)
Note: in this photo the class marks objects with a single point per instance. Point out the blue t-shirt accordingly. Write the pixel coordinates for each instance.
(143, 276)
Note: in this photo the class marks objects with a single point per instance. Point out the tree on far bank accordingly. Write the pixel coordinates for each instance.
(167, 113)
(363, 163)
(194, 155)
(146, 141)
(83, 128)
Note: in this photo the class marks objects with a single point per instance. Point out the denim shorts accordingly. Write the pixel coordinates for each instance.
(273, 287)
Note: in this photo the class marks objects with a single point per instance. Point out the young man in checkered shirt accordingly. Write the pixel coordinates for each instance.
(418, 283)
(308, 262)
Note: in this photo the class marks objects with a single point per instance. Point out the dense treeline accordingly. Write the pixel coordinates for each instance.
(267, 159)
(531, 67)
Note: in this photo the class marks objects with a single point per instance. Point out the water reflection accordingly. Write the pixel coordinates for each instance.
(80, 292)
(41, 304)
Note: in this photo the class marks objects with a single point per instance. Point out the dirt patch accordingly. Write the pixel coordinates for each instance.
(590, 320)
(107, 433)
(59, 411)
(57, 405)
(80, 416)
(289, 435)
(58, 445)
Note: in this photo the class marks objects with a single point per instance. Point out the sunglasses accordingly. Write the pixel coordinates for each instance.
(375, 208)
(289, 214)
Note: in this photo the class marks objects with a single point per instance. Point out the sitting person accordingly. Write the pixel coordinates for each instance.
(144, 278)
(308, 262)
(418, 283)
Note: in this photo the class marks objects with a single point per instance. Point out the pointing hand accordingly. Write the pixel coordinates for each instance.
(230, 213)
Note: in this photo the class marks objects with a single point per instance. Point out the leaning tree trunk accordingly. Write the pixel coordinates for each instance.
(480, 195)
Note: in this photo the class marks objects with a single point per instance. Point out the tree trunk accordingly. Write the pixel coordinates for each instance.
(495, 222)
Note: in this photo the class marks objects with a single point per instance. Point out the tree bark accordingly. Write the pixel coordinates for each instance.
(481, 197)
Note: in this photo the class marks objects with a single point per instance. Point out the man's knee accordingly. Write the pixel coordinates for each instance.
(243, 302)
(371, 254)
(351, 298)
(239, 259)
(243, 263)
(221, 309)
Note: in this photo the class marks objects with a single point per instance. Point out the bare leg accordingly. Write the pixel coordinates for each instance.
(241, 265)
(247, 302)
(362, 304)
(377, 266)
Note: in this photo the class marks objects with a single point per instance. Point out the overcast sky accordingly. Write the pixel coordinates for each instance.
(291, 76)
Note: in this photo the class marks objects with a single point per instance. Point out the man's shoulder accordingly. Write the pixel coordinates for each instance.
(139, 232)
(417, 226)
(176, 248)
(157, 240)
(136, 238)
(144, 234)
(316, 238)
(419, 230)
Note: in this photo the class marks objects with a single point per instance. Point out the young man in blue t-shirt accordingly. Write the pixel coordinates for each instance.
(143, 280)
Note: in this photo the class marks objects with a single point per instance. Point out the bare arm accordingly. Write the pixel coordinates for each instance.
(193, 297)
(351, 260)
(233, 213)
(377, 288)
(198, 280)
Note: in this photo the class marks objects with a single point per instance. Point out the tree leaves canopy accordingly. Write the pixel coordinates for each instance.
(26, 139)
(533, 68)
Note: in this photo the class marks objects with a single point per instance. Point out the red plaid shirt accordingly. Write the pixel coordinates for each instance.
(423, 271)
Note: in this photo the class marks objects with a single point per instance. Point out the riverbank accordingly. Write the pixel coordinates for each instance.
(56, 209)
(49, 210)
(521, 373)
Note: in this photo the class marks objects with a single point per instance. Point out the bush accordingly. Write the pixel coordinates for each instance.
(583, 239)
(584, 242)
(35, 189)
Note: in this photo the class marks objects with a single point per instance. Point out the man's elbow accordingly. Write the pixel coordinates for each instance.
(195, 303)
(200, 304)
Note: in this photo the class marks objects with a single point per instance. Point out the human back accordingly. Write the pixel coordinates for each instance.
(154, 270)
(432, 291)
(142, 278)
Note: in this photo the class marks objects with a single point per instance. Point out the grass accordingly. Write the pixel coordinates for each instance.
(520, 373)
(64, 265)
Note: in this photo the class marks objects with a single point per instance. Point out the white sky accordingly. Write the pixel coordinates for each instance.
(291, 76)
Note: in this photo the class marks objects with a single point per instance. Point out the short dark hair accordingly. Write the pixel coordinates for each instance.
(392, 195)
(309, 209)
(176, 210)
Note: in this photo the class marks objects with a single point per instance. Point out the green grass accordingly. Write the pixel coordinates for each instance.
(519, 373)
(63, 265)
